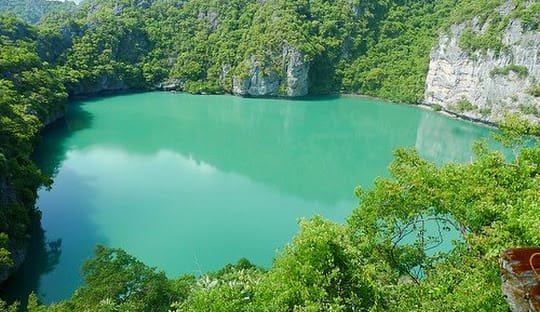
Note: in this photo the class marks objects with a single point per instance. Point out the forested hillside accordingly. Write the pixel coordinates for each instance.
(31, 94)
(34, 11)
(376, 47)
(278, 48)
(247, 47)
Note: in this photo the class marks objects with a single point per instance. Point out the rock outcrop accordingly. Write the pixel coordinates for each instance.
(289, 80)
(169, 85)
(485, 85)
(104, 84)
(520, 275)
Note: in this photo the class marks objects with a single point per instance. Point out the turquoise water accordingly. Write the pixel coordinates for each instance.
(190, 183)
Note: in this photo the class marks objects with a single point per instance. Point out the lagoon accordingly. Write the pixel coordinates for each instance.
(190, 183)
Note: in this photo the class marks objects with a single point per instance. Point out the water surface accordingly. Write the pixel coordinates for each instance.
(190, 183)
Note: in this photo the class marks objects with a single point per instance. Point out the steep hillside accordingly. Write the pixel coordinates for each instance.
(237, 46)
(297, 48)
(34, 11)
(31, 94)
(489, 64)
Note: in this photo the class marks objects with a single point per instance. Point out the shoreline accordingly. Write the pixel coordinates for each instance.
(424, 106)
(429, 107)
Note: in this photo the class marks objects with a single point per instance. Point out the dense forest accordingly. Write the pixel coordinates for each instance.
(31, 94)
(374, 47)
(378, 48)
(34, 10)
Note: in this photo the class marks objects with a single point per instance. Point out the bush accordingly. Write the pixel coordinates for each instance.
(464, 105)
(521, 71)
(528, 109)
(534, 90)
(436, 107)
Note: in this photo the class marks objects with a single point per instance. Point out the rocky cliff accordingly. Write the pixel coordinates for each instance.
(104, 84)
(485, 85)
(288, 79)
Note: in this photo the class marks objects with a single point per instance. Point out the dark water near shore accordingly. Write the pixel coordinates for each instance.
(190, 183)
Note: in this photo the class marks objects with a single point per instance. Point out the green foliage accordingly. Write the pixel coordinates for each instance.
(514, 131)
(34, 305)
(490, 201)
(395, 62)
(464, 105)
(316, 272)
(116, 279)
(34, 11)
(30, 93)
(492, 21)
(374, 47)
(471, 41)
(534, 90)
(230, 289)
(4, 252)
(529, 110)
(519, 70)
(528, 13)
(11, 308)
(378, 48)
(486, 111)
(436, 107)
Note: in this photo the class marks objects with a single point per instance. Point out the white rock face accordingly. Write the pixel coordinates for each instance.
(453, 75)
(292, 82)
(297, 73)
(257, 83)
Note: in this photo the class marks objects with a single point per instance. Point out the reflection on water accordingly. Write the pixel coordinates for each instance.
(190, 183)
(43, 257)
(51, 152)
(439, 142)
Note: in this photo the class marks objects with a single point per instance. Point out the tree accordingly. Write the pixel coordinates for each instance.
(114, 278)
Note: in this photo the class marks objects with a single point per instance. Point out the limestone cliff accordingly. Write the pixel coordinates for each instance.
(288, 79)
(104, 84)
(484, 85)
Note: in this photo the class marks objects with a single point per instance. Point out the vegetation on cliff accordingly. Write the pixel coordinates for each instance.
(489, 19)
(375, 47)
(31, 92)
(34, 11)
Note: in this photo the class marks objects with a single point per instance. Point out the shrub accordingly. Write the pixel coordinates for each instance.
(528, 109)
(464, 105)
(534, 90)
(521, 71)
